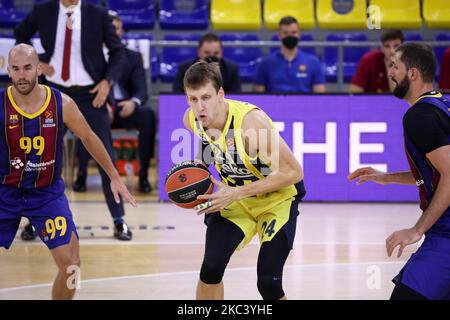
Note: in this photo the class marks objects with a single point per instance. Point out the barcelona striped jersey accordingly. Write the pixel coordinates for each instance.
(31, 144)
(426, 176)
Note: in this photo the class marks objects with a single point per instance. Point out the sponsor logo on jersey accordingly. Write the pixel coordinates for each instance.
(17, 163)
(229, 167)
(48, 114)
(48, 122)
(234, 171)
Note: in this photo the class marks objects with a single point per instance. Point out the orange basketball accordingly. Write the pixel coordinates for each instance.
(187, 180)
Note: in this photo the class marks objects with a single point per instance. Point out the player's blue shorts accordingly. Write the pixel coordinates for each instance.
(46, 208)
(428, 270)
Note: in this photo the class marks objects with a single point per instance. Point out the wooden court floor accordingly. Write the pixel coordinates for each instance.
(339, 253)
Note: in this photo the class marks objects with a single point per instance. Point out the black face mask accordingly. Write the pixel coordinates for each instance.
(402, 88)
(212, 59)
(290, 42)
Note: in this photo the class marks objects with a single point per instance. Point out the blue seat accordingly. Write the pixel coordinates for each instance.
(9, 15)
(246, 58)
(154, 59)
(439, 51)
(97, 2)
(413, 36)
(171, 57)
(351, 56)
(304, 37)
(179, 15)
(135, 14)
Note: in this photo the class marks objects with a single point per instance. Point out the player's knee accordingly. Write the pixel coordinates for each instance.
(211, 272)
(270, 287)
(68, 263)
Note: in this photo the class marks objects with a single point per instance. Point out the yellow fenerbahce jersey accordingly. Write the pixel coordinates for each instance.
(235, 166)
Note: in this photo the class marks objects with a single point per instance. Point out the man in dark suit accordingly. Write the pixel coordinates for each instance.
(210, 49)
(72, 35)
(128, 111)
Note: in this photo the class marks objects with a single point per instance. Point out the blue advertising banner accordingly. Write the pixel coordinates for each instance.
(330, 135)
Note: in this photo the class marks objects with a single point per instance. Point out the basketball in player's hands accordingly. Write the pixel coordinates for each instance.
(185, 181)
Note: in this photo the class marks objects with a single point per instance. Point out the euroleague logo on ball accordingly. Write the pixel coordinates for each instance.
(182, 178)
(185, 181)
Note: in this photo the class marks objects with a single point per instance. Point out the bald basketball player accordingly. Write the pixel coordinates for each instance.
(31, 147)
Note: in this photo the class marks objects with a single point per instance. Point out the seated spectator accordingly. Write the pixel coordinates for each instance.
(290, 69)
(128, 111)
(371, 74)
(444, 77)
(210, 49)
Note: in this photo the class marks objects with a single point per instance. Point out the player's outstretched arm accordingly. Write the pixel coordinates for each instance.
(75, 121)
(440, 159)
(273, 150)
(371, 174)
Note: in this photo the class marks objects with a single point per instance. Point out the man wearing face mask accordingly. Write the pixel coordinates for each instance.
(290, 69)
(210, 49)
(371, 74)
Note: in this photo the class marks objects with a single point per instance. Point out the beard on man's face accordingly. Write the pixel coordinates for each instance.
(24, 87)
(402, 88)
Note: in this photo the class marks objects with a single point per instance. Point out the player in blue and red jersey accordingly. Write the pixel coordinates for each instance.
(426, 126)
(31, 143)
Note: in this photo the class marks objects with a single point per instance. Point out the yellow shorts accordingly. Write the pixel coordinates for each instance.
(265, 224)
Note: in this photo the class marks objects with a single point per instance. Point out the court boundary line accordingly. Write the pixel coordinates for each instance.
(93, 242)
(168, 274)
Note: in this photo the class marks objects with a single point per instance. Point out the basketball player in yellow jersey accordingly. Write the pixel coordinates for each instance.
(260, 189)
